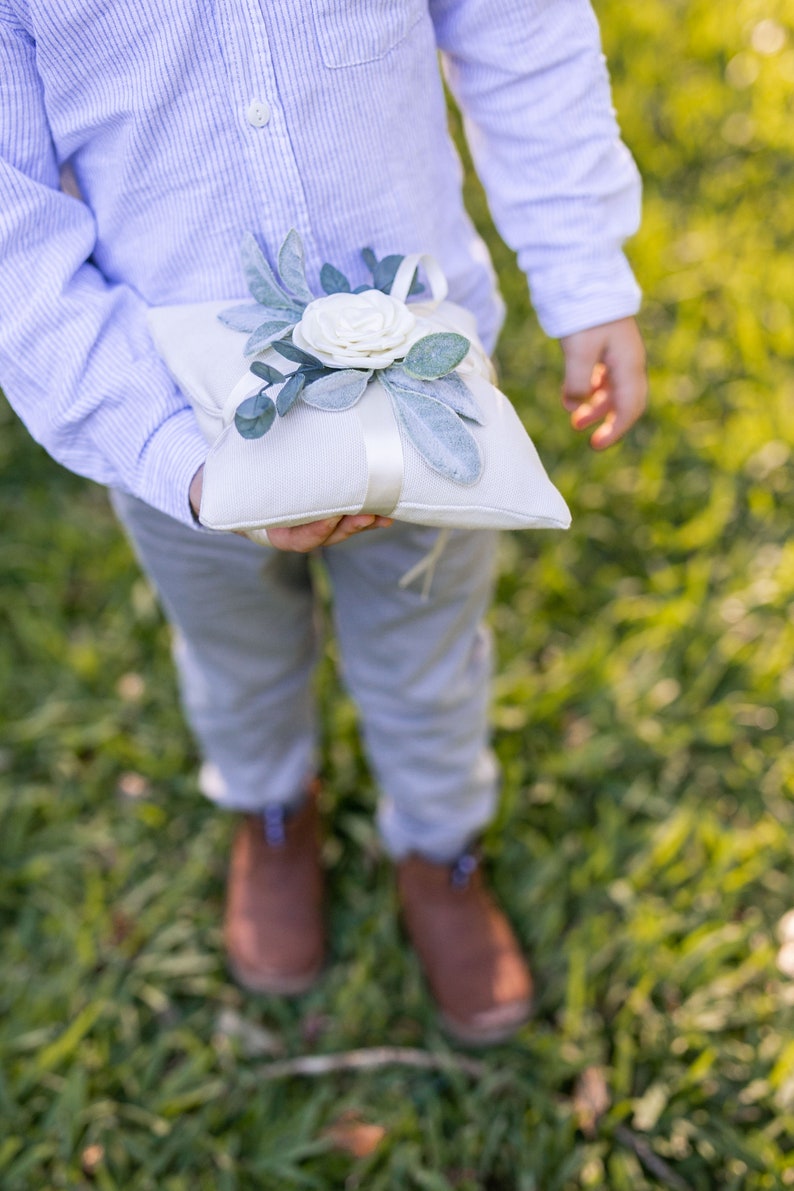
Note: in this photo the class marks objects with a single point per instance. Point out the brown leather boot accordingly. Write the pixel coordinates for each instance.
(468, 951)
(274, 924)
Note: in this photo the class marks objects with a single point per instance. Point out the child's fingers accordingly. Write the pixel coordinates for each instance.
(582, 369)
(303, 538)
(356, 523)
(613, 427)
(348, 526)
(628, 398)
(628, 378)
(605, 379)
(330, 531)
(577, 390)
(593, 410)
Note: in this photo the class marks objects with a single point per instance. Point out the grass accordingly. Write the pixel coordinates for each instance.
(644, 724)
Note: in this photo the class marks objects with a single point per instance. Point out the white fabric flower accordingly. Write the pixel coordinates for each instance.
(366, 330)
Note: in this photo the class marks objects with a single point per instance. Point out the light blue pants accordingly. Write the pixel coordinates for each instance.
(418, 671)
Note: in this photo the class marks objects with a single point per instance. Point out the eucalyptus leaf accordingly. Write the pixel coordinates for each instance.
(267, 373)
(261, 279)
(362, 289)
(337, 390)
(369, 258)
(292, 266)
(261, 402)
(450, 389)
(255, 416)
(442, 439)
(290, 392)
(265, 334)
(242, 318)
(313, 372)
(287, 349)
(437, 354)
(332, 281)
(386, 270)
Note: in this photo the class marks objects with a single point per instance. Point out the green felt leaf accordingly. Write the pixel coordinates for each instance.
(332, 281)
(292, 267)
(267, 373)
(439, 435)
(255, 416)
(265, 334)
(313, 372)
(386, 270)
(261, 279)
(261, 401)
(242, 318)
(287, 349)
(435, 355)
(290, 392)
(337, 390)
(369, 258)
(450, 389)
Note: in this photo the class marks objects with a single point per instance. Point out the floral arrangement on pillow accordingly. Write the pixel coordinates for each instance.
(341, 341)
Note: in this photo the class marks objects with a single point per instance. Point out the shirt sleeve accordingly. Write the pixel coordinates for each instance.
(532, 85)
(76, 360)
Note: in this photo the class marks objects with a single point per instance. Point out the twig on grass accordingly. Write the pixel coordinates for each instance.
(651, 1161)
(368, 1058)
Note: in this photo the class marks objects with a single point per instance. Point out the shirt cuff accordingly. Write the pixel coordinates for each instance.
(169, 462)
(578, 296)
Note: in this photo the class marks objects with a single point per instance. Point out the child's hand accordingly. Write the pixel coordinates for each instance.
(303, 538)
(605, 379)
(329, 532)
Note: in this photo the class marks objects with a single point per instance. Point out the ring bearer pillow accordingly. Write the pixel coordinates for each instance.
(353, 402)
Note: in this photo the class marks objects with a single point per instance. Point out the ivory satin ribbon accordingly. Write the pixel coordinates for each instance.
(384, 448)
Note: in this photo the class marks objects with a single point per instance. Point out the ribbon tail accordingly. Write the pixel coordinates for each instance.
(427, 565)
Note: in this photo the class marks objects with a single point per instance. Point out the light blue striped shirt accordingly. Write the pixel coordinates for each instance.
(186, 123)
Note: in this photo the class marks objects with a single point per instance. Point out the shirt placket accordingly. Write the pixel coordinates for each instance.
(277, 197)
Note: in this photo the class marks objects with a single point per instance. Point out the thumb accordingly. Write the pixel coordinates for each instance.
(582, 353)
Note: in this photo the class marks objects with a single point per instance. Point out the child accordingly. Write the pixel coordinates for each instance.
(185, 125)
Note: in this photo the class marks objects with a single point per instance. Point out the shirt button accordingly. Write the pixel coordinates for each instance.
(258, 113)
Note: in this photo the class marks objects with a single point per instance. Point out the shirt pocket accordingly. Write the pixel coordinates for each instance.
(352, 32)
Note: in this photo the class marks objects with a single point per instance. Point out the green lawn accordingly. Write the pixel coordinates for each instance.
(644, 724)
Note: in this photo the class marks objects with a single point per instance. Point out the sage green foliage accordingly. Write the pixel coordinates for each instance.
(292, 266)
(255, 415)
(338, 389)
(435, 355)
(644, 725)
(441, 437)
(262, 281)
(333, 280)
(451, 388)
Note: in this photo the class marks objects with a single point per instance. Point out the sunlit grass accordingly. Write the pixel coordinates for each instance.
(644, 723)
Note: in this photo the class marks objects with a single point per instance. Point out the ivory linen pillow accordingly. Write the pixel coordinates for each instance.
(391, 408)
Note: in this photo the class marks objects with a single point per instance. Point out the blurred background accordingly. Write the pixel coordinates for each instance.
(644, 723)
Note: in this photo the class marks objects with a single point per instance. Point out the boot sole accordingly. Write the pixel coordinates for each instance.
(487, 1035)
(277, 984)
